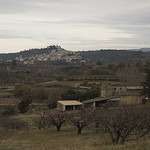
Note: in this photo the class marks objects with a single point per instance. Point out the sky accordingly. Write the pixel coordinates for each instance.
(74, 24)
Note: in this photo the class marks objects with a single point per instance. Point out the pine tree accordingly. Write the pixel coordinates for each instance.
(146, 85)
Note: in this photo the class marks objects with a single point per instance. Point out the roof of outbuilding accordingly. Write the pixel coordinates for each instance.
(135, 88)
(70, 102)
(98, 99)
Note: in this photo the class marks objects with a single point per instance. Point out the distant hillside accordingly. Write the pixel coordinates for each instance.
(53, 53)
(141, 49)
(58, 55)
(105, 55)
(29, 53)
(113, 55)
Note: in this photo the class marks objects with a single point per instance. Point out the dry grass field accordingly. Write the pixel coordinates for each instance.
(67, 139)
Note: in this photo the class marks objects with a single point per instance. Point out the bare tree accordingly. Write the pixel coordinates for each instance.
(124, 124)
(13, 124)
(81, 119)
(41, 122)
(57, 119)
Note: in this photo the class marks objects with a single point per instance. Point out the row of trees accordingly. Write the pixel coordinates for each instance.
(80, 119)
(121, 124)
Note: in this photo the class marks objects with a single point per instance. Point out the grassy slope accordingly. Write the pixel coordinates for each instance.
(67, 139)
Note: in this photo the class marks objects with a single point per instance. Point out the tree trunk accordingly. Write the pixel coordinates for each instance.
(97, 127)
(58, 128)
(79, 130)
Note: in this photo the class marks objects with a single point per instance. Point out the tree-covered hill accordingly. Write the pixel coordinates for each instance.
(29, 53)
(78, 56)
(113, 55)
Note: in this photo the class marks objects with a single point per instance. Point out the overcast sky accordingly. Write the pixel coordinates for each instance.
(74, 24)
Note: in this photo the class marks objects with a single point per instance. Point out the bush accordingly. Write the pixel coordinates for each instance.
(76, 95)
(52, 105)
(24, 106)
(54, 96)
(70, 95)
(13, 124)
(10, 110)
(42, 94)
(18, 90)
(25, 91)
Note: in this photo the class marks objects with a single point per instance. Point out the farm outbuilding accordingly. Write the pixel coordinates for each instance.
(99, 101)
(69, 105)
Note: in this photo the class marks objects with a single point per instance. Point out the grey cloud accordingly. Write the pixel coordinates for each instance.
(137, 17)
(10, 34)
(131, 17)
(16, 6)
(12, 6)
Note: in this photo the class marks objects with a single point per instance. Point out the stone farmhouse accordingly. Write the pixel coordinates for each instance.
(128, 95)
(110, 96)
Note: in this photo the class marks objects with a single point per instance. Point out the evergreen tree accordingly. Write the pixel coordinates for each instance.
(24, 106)
(146, 85)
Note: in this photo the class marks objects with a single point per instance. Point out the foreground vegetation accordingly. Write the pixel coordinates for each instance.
(67, 139)
(118, 128)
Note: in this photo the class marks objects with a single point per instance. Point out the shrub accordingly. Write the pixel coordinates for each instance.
(10, 110)
(13, 124)
(24, 106)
